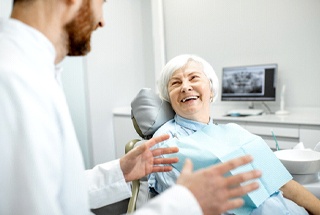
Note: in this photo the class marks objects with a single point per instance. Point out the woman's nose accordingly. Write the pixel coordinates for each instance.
(186, 86)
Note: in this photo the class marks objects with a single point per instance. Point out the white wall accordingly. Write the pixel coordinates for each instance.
(74, 81)
(226, 33)
(120, 63)
(5, 8)
(246, 32)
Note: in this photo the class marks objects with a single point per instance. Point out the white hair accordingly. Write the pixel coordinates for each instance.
(180, 61)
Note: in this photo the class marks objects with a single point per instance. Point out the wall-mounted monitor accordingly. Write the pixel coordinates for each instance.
(249, 83)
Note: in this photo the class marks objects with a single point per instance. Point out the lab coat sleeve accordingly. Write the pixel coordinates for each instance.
(106, 184)
(176, 200)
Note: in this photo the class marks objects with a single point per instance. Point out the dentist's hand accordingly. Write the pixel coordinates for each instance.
(142, 161)
(214, 192)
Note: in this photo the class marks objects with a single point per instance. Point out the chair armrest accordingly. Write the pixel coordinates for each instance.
(130, 145)
(136, 183)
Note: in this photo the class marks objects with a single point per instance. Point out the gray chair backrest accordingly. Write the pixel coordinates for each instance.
(149, 112)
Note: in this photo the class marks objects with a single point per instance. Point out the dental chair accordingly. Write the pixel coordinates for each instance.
(148, 113)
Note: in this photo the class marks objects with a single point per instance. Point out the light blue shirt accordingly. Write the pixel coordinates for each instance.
(204, 152)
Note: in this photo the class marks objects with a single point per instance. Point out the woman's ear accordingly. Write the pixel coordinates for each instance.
(211, 96)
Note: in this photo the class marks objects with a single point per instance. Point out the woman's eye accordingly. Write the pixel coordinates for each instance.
(194, 77)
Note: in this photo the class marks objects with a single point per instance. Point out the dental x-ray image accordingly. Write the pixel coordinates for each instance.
(243, 82)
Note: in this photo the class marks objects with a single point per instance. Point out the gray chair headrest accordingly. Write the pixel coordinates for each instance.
(149, 112)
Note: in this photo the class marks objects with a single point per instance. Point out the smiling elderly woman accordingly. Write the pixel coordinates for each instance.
(190, 85)
(196, 79)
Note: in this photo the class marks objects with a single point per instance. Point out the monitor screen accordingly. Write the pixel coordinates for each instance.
(249, 83)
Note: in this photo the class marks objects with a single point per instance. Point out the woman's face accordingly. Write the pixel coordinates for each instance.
(190, 92)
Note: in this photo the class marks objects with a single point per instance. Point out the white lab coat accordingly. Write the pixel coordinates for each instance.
(41, 166)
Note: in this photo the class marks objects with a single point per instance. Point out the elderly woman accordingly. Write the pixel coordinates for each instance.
(190, 84)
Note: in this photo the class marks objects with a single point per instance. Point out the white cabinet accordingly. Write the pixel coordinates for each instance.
(310, 135)
(289, 130)
(287, 135)
(123, 130)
